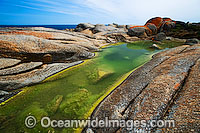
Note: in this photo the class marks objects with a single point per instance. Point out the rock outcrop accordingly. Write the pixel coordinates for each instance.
(184, 30)
(165, 88)
(152, 27)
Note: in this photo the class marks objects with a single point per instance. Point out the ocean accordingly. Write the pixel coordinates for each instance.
(58, 27)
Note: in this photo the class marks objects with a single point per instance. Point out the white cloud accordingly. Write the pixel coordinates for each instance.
(141, 10)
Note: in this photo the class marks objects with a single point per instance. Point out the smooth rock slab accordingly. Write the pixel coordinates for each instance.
(20, 68)
(12, 82)
(8, 62)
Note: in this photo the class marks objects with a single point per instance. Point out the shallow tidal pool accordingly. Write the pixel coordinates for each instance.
(72, 93)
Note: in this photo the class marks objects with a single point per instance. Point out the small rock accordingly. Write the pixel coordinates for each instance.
(155, 46)
(47, 58)
(169, 38)
(2, 93)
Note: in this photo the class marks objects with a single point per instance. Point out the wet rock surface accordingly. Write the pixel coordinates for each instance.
(166, 87)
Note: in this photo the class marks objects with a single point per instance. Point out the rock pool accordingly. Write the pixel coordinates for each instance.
(72, 93)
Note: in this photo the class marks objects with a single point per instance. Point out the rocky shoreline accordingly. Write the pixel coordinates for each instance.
(30, 55)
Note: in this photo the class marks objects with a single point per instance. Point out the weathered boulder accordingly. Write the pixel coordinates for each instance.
(192, 41)
(83, 26)
(137, 31)
(160, 36)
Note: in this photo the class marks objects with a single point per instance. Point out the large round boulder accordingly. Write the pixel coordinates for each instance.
(137, 31)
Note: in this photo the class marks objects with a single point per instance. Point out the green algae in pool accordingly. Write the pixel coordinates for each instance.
(71, 94)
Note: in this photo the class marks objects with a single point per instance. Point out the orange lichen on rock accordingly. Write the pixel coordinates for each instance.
(32, 33)
(6, 46)
(153, 26)
(177, 85)
(157, 21)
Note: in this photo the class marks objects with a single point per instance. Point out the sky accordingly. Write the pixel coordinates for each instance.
(37, 12)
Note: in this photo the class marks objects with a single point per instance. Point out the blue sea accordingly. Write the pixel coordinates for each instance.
(58, 27)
